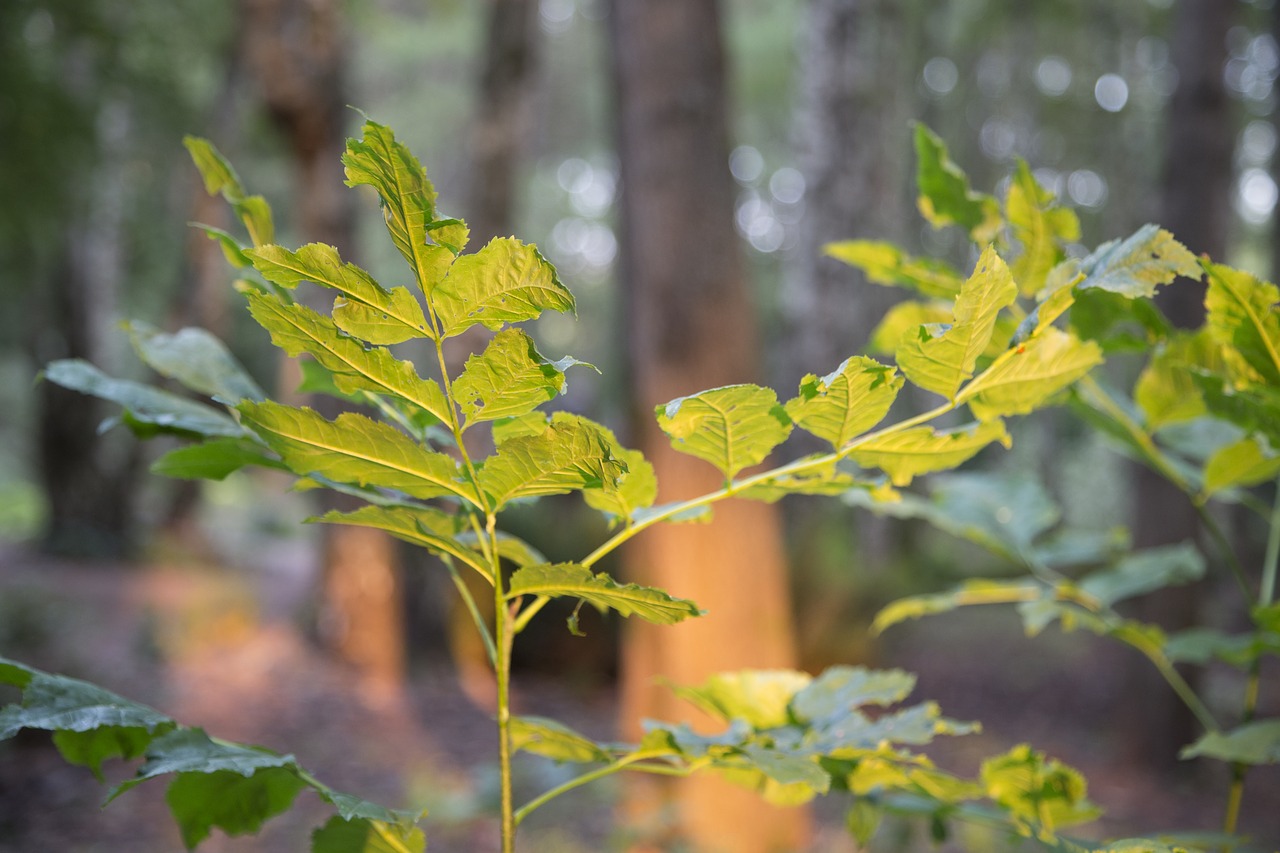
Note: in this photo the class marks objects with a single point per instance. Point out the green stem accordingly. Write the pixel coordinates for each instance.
(1272, 557)
(1224, 547)
(469, 600)
(796, 467)
(529, 612)
(629, 762)
(1102, 401)
(503, 636)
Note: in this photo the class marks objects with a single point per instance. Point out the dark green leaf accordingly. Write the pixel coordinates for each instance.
(91, 748)
(212, 460)
(236, 803)
(569, 580)
(945, 197)
(198, 360)
(57, 703)
(732, 427)
(361, 835)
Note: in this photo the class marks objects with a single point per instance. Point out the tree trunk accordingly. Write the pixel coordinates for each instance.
(296, 52)
(691, 327)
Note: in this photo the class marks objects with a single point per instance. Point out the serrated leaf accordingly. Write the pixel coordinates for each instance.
(1257, 742)
(217, 173)
(193, 751)
(363, 835)
(761, 697)
(147, 405)
(920, 450)
(424, 526)
(1145, 571)
(1166, 392)
(1043, 792)
(636, 492)
(231, 248)
(847, 402)
(1244, 314)
(355, 808)
(505, 282)
(887, 264)
(1117, 322)
(365, 310)
(904, 317)
(15, 674)
(571, 454)
(197, 359)
(1024, 378)
(840, 689)
(1254, 408)
(968, 593)
(533, 423)
(236, 803)
(732, 427)
(824, 479)
(941, 359)
(1243, 463)
(1137, 265)
(408, 198)
(570, 580)
(354, 449)
(212, 460)
(554, 740)
(296, 329)
(1039, 226)
(509, 379)
(945, 196)
(91, 748)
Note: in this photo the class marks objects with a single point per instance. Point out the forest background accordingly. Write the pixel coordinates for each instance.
(1133, 112)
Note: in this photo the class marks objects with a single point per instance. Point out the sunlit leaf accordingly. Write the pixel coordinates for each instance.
(1166, 392)
(733, 427)
(197, 359)
(555, 740)
(1253, 743)
(1244, 463)
(942, 358)
(430, 528)
(213, 459)
(231, 248)
(906, 454)
(147, 405)
(505, 282)
(508, 379)
(1026, 377)
(637, 491)
(219, 177)
(366, 309)
(354, 449)
(885, 263)
(824, 479)
(296, 329)
(1244, 314)
(1042, 228)
(569, 455)
(968, 593)
(1044, 792)
(363, 835)
(761, 697)
(846, 402)
(1137, 265)
(569, 580)
(904, 317)
(945, 197)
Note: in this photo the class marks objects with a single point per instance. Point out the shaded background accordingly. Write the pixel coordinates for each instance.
(1133, 111)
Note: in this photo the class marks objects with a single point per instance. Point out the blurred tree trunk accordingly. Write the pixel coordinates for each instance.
(690, 326)
(1196, 196)
(296, 52)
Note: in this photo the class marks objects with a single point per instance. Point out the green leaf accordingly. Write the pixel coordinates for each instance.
(505, 282)
(571, 454)
(1041, 228)
(198, 360)
(1145, 571)
(362, 835)
(788, 770)
(235, 802)
(637, 490)
(1166, 391)
(839, 689)
(904, 317)
(940, 358)
(212, 460)
(1254, 408)
(147, 405)
(906, 454)
(1118, 323)
(1244, 463)
(945, 197)
(823, 479)
(555, 740)
(90, 749)
(1137, 265)
(847, 402)
(884, 263)
(1253, 743)
(15, 674)
(296, 329)
(231, 248)
(1203, 645)
(510, 378)
(408, 199)
(217, 173)
(570, 580)
(761, 697)
(354, 808)
(732, 427)
(365, 310)
(1024, 378)
(424, 526)
(1045, 793)
(968, 593)
(354, 449)
(1244, 314)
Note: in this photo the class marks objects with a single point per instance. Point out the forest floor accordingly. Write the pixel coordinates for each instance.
(221, 649)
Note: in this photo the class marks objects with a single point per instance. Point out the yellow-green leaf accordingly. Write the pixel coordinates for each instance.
(941, 358)
(884, 263)
(903, 455)
(847, 402)
(554, 740)
(637, 490)
(295, 328)
(424, 526)
(732, 427)
(355, 449)
(571, 454)
(762, 697)
(945, 197)
(904, 317)
(1040, 227)
(1242, 463)
(509, 379)
(1042, 792)
(1257, 742)
(1166, 391)
(570, 580)
(1022, 379)
(1244, 314)
(1140, 263)
(505, 282)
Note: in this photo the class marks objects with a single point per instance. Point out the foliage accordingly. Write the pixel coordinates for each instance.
(996, 346)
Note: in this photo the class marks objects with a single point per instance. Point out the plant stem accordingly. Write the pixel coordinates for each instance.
(503, 636)
(1269, 563)
(1224, 546)
(469, 600)
(628, 762)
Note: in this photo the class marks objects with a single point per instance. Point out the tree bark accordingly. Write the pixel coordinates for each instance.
(690, 327)
(296, 51)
